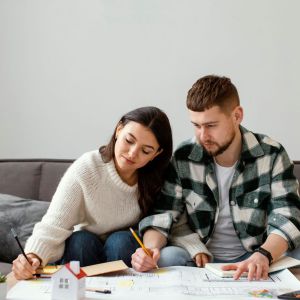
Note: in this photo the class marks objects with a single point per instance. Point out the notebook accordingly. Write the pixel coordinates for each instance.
(108, 267)
(284, 262)
(103, 268)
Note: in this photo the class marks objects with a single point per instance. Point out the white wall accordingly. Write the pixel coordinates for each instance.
(69, 69)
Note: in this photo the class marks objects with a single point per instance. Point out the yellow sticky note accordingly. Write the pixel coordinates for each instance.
(125, 283)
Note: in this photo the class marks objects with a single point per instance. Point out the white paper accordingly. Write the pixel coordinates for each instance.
(168, 283)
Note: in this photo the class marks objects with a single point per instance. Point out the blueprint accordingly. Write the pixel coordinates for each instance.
(168, 283)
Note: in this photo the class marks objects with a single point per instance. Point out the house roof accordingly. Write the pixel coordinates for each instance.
(80, 275)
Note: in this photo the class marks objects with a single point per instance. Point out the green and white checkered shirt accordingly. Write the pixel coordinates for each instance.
(264, 196)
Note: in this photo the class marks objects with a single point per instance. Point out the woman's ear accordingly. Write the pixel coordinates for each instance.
(157, 153)
(118, 130)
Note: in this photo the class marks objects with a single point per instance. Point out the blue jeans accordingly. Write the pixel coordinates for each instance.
(176, 256)
(87, 248)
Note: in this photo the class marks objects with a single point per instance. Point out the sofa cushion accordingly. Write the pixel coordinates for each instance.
(20, 214)
(51, 174)
(20, 179)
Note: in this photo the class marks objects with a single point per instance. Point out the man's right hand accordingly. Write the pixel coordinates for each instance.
(141, 262)
(22, 269)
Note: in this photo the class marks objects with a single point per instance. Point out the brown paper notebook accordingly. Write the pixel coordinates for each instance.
(92, 270)
(112, 266)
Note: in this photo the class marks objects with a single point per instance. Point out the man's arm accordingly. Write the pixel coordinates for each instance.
(283, 220)
(156, 228)
(276, 245)
(168, 206)
(182, 236)
(284, 207)
(257, 265)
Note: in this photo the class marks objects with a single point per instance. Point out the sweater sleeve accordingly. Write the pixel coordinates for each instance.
(49, 235)
(182, 236)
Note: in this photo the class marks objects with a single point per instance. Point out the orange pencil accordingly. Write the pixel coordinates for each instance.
(141, 244)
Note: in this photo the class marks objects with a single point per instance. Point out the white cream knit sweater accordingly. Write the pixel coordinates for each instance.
(92, 194)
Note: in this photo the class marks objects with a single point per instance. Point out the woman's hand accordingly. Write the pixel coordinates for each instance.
(201, 259)
(141, 262)
(22, 269)
(257, 266)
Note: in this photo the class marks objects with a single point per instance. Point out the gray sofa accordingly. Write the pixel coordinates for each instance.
(35, 181)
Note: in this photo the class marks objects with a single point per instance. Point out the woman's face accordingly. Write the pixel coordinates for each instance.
(135, 146)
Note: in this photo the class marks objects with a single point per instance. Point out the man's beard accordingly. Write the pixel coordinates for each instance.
(220, 148)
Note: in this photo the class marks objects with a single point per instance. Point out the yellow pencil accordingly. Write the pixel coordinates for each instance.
(141, 244)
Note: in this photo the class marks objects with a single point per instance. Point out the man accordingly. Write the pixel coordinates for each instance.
(230, 195)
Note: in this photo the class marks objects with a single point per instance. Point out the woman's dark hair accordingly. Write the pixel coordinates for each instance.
(151, 176)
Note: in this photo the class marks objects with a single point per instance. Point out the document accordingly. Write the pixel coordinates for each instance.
(284, 262)
(167, 283)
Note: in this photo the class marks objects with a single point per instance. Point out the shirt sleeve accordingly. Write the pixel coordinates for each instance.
(182, 236)
(169, 205)
(284, 209)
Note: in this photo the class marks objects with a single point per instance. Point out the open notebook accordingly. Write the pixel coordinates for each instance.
(284, 262)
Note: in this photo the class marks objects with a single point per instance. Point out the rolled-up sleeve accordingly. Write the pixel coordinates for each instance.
(284, 213)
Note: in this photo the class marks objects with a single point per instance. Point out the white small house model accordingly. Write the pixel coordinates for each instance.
(68, 283)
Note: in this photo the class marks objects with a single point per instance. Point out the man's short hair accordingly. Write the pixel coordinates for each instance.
(210, 91)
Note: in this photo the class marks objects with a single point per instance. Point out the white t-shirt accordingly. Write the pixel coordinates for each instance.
(224, 243)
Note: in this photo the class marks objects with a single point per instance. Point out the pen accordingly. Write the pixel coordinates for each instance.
(41, 276)
(98, 291)
(141, 244)
(17, 239)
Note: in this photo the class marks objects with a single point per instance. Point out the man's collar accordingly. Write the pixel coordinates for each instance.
(197, 153)
(250, 148)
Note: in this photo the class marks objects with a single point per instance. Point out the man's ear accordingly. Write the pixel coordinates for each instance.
(238, 114)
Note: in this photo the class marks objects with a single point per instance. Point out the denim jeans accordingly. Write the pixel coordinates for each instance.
(176, 256)
(87, 248)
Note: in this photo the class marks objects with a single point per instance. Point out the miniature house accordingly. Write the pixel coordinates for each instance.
(68, 282)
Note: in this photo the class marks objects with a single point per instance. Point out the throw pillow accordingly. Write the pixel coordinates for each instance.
(20, 214)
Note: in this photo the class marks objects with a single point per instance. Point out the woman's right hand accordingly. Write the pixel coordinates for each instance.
(142, 262)
(201, 259)
(22, 269)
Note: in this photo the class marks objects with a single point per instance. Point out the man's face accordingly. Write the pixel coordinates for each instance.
(214, 129)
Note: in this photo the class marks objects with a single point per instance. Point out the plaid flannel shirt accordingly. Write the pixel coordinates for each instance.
(264, 196)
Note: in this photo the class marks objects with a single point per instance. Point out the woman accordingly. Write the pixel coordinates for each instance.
(103, 192)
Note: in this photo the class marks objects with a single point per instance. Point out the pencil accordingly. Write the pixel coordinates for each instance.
(20, 246)
(141, 244)
(98, 291)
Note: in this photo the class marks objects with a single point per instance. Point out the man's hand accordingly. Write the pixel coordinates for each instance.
(201, 259)
(22, 269)
(141, 262)
(257, 266)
